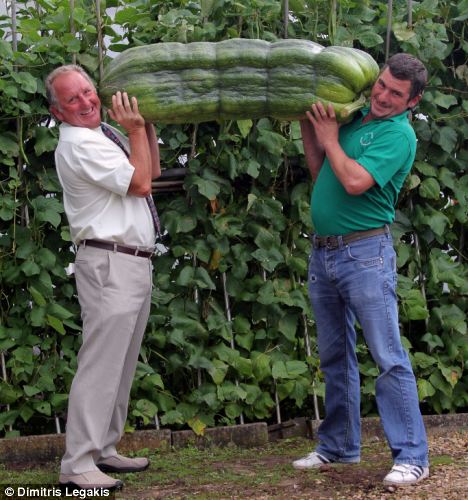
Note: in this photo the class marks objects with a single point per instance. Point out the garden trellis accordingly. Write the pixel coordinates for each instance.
(244, 200)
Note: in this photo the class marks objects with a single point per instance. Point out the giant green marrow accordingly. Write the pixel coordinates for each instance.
(239, 79)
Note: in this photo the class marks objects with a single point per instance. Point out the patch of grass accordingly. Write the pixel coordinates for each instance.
(230, 471)
(190, 466)
(231, 464)
(43, 474)
(441, 460)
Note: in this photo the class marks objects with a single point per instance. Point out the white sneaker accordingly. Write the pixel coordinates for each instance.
(313, 459)
(403, 474)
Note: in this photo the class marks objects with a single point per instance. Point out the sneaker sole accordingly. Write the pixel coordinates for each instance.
(316, 466)
(73, 486)
(392, 483)
(110, 468)
(305, 467)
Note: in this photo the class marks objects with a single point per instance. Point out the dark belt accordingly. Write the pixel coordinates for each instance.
(332, 242)
(115, 247)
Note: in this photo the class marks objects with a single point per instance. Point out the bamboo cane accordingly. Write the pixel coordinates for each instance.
(308, 354)
(58, 430)
(156, 422)
(285, 18)
(100, 39)
(196, 298)
(227, 308)
(72, 26)
(389, 28)
(5, 378)
(277, 401)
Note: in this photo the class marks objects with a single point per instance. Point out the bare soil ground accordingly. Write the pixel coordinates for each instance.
(267, 473)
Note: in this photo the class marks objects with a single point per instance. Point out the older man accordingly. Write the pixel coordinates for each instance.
(106, 179)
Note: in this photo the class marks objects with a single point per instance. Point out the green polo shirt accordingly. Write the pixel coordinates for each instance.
(386, 149)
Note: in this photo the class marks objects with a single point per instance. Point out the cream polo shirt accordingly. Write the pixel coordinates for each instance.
(95, 175)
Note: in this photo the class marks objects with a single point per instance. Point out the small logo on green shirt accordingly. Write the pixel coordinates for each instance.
(366, 139)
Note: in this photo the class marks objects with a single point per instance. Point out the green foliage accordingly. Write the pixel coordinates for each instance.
(226, 331)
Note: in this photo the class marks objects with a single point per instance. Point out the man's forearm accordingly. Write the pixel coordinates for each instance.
(140, 158)
(154, 150)
(313, 151)
(354, 178)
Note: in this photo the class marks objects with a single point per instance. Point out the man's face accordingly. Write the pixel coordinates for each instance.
(78, 103)
(390, 96)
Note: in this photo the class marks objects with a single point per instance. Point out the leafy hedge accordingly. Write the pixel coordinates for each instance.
(231, 335)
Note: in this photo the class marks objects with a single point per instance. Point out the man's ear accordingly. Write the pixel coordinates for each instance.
(412, 103)
(55, 112)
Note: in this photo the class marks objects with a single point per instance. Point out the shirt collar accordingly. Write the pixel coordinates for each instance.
(65, 125)
(396, 118)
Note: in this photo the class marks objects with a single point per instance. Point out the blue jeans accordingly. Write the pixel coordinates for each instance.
(357, 281)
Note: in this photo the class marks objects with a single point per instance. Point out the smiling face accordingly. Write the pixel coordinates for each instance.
(390, 97)
(76, 101)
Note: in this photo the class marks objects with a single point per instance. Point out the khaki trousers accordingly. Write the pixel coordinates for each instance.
(114, 292)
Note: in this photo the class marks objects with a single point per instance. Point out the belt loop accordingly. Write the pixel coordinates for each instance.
(83, 243)
(136, 251)
(340, 241)
(115, 247)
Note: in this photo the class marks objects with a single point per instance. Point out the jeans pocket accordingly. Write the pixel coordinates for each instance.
(366, 253)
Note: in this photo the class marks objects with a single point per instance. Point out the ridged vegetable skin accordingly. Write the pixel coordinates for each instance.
(239, 79)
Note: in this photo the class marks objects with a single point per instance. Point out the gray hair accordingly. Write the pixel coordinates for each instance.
(67, 68)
